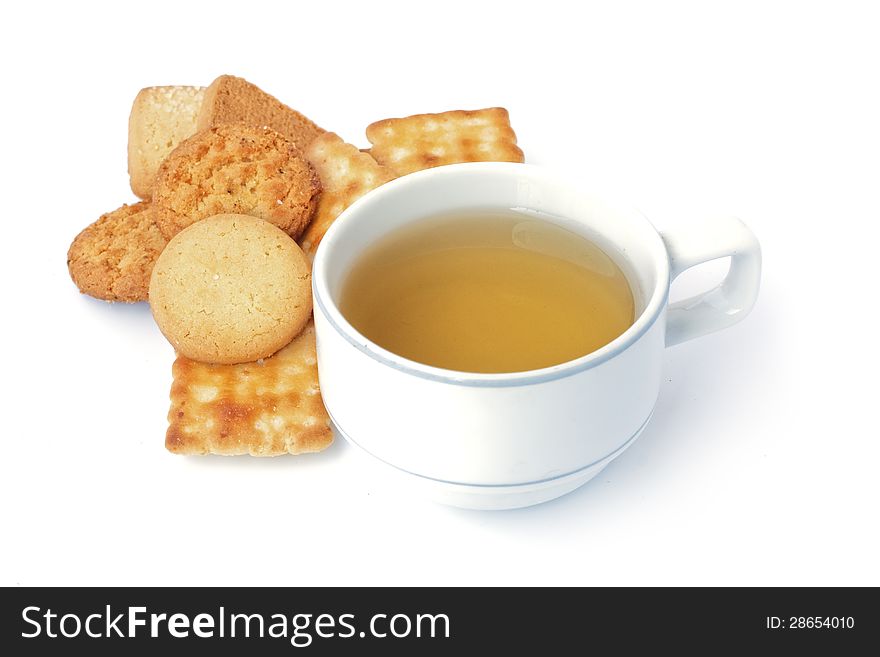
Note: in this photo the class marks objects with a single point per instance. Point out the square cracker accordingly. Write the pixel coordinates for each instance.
(346, 174)
(265, 408)
(423, 141)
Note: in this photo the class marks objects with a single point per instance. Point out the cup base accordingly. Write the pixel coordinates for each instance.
(495, 497)
(500, 498)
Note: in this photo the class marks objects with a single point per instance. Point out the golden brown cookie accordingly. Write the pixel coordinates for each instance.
(234, 100)
(112, 259)
(231, 289)
(346, 174)
(266, 408)
(236, 169)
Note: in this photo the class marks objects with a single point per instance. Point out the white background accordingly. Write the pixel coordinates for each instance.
(761, 463)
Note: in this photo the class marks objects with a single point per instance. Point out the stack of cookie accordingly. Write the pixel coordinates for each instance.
(237, 191)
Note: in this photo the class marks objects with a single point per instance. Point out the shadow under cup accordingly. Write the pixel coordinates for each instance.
(491, 430)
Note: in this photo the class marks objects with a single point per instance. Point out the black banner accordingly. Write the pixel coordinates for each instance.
(337, 621)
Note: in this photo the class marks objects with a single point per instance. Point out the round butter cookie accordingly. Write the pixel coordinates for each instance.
(231, 289)
(112, 259)
(236, 169)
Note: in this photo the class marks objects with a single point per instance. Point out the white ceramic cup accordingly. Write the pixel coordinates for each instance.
(506, 440)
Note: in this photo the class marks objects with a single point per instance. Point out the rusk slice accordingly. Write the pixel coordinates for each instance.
(234, 100)
(161, 118)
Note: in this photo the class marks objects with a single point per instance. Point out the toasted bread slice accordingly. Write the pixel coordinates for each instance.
(161, 118)
(234, 100)
(423, 141)
(346, 174)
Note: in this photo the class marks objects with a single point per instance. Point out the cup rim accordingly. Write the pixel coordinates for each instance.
(657, 299)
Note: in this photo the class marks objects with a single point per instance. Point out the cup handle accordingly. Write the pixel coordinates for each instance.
(729, 302)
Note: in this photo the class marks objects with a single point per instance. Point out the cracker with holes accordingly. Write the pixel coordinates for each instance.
(346, 174)
(423, 141)
(265, 408)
